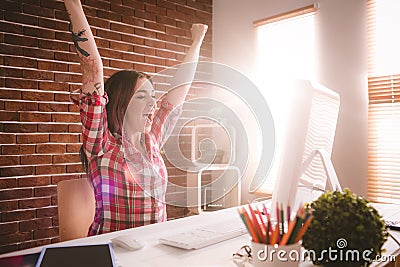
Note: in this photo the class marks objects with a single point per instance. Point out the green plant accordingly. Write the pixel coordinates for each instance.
(348, 226)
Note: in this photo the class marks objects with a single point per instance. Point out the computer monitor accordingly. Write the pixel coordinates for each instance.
(304, 161)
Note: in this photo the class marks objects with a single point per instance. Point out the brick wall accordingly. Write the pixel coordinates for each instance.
(40, 128)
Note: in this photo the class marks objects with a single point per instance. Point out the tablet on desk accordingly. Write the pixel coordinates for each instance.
(99, 255)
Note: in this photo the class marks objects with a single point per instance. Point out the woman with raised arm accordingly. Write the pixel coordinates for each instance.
(122, 137)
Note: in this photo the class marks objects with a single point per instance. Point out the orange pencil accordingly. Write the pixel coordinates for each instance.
(251, 226)
(303, 229)
(256, 225)
(286, 236)
(275, 234)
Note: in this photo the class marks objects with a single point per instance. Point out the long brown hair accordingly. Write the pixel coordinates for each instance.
(120, 89)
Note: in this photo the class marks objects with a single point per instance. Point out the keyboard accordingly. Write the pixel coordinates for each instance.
(206, 235)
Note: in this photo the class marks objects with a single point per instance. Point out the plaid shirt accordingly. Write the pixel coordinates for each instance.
(129, 187)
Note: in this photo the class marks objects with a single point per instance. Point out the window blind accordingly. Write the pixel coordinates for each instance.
(384, 101)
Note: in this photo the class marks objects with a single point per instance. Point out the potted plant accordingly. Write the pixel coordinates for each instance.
(345, 231)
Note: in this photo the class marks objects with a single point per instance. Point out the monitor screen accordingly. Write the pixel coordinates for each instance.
(78, 256)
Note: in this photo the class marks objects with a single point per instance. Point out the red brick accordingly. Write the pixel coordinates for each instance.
(107, 34)
(8, 161)
(52, 66)
(175, 14)
(39, 11)
(38, 53)
(20, 18)
(52, 128)
(145, 68)
(73, 148)
(15, 193)
(108, 15)
(10, 94)
(145, 33)
(8, 248)
(8, 205)
(17, 40)
(11, 49)
(53, 24)
(34, 181)
(165, 54)
(64, 138)
(34, 117)
(67, 77)
(35, 159)
(15, 238)
(32, 138)
(166, 20)
(175, 47)
(75, 68)
(155, 60)
(30, 225)
(53, 107)
(66, 158)
(9, 115)
(19, 128)
(55, 179)
(166, 37)
(10, 27)
(17, 149)
(46, 212)
(145, 15)
(50, 169)
(121, 64)
(75, 168)
(11, 6)
(75, 128)
(34, 243)
(144, 50)
(21, 83)
(61, 97)
(39, 32)
(61, 15)
(64, 36)
(154, 43)
(21, 106)
(6, 138)
(156, 9)
(133, 57)
(66, 56)
(6, 183)
(20, 62)
(184, 41)
(53, 45)
(133, 21)
(121, 46)
(45, 233)
(123, 10)
(50, 148)
(8, 228)
(34, 202)
(17, 171)
(53, 86)
(37, 96)
(11, 72)
(134, 4)
(166, 4)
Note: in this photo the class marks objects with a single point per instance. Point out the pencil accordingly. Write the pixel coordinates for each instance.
(256, 224)
(248, 223)
(303, 229)
(275, 235)
(286, 236)
(299, 221)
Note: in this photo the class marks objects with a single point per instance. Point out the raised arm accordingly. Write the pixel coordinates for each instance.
(91, 64)
(185, 72)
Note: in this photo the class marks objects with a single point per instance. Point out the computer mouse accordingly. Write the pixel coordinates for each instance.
(127, 242)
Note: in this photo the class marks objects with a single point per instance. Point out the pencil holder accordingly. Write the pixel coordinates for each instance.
(275, 256)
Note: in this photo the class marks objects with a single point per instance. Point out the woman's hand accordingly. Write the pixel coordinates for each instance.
(198, 32)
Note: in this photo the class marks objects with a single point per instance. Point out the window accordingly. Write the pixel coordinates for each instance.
(384, 101)
(286, 49)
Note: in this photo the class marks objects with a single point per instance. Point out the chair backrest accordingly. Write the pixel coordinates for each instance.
(76, 208)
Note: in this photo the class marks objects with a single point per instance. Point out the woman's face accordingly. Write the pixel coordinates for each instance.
(141, 107)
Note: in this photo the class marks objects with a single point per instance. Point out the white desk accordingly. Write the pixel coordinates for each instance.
(156, 254)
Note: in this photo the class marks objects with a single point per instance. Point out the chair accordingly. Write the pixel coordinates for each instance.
(76, 208)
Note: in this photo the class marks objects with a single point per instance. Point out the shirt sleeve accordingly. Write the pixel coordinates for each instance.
(95, 134)
(164, 121)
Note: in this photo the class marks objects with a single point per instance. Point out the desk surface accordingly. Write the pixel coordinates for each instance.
(156, 254)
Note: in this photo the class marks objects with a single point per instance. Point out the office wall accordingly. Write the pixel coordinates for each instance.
(40, 129)
(341, 60)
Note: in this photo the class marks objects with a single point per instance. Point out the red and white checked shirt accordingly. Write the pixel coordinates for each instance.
(129, 187)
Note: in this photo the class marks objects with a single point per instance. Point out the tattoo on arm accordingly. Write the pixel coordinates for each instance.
(77, 38)
(97, 87)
